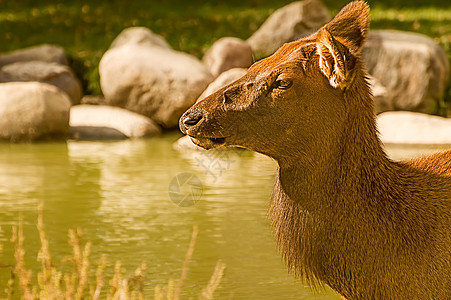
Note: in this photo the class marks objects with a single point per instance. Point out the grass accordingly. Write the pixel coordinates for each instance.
(86, 279)
(86, 28)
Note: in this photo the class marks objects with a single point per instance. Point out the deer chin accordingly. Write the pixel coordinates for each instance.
(208, 142)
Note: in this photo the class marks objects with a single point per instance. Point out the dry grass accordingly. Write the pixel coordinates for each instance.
(80, 282)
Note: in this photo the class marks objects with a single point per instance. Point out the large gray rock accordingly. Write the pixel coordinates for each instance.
(222, 80)
(152, 80)
(47, 53)
(55, 74)
(33, 111)
(287, 24)
(100, 122)
(412, 67)
(139, 36)
(403, 127)
(227, 53)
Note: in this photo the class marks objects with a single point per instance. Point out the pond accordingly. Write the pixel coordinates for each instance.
(137, 201)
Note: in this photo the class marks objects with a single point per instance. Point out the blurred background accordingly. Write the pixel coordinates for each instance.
(86, 28)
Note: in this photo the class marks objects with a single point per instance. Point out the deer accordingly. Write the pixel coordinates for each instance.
(343, 213)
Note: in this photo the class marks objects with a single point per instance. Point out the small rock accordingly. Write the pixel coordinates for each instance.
(139, 36)
(227, 53)
(291, 22)
(223, 80)
(412, 67)
(55, 74)
(157, 82)
(185, 143)
(32, 111)
(413, 128)
(96, 133)
(101, 122)
(46, 53)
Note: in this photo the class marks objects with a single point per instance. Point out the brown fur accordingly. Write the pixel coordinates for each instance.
(343, 213)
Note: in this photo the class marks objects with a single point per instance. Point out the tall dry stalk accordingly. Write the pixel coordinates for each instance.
(49, 279)
(213, 284)
(100, 278)
(170, 292)
(23, 275)
(189, 255)
(9, 290)
(81, 261)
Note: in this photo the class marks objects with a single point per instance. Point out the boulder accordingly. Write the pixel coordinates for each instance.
(55, 74)
(412, 67)
(227, 53)
(223, 80)
(32, 111)
(100, 122)
(152, 80)
(47, 53)
(291, 22)
(139, 36)
(403, 127)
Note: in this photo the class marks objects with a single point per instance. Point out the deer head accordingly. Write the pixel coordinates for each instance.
(294, 99)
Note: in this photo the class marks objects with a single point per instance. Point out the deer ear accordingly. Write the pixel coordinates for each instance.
(335, 60)
(351, 24)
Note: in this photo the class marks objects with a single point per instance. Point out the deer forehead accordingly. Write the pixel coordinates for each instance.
(290, 57)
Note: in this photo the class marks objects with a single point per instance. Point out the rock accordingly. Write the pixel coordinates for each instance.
(96, 133)
(154, 81)
(101, 122)
(55, 74)
(412, 67)
(291, 22)
(227, 53)
(139, 36)
(223, 80)
(47, 53)
(32, 111)
(185, 143)
(413, 128)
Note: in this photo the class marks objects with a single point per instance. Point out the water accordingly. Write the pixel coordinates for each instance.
(118, 193)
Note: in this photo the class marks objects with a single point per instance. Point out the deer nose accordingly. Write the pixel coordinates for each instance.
(192, 118)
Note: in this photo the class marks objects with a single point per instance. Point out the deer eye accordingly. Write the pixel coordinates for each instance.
(282, 84)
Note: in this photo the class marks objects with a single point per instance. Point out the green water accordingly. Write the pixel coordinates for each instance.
(118, 193)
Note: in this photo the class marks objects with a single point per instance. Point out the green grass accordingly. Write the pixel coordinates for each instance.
(86, 28)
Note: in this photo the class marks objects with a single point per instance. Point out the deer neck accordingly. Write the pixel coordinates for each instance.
(314, 202)
(348, 162)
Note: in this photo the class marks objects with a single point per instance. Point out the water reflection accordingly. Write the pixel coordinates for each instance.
(118, 193)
